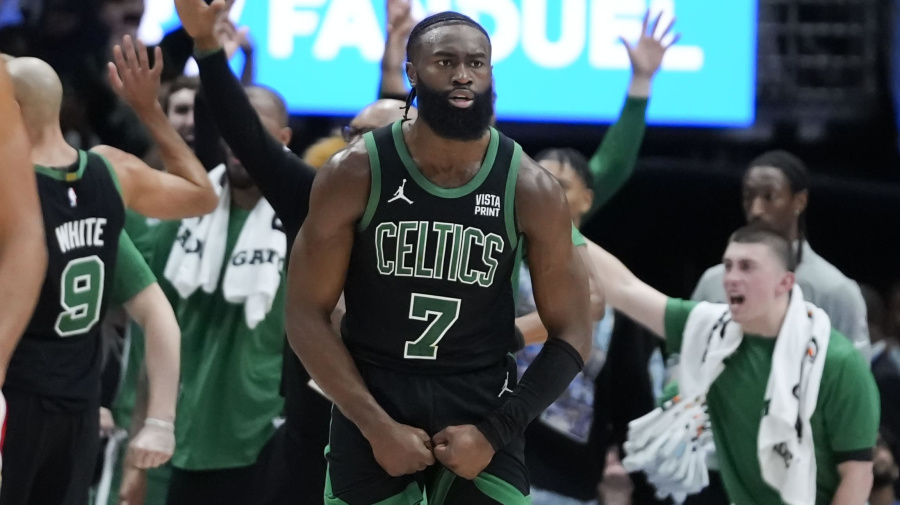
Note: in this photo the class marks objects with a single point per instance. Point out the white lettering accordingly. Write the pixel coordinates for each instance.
(81, 233)
(98, 231)
(536, 44)
(73, 233)
(286, 23)
(609, 20)
(62, 236)
(505, 37)
(349, 23)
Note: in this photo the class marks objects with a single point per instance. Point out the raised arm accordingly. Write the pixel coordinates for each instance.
(318, 268)
(283, 178)
(614, 161)
(23, 255)
(186, 190)
(629, 294)
(393, 69)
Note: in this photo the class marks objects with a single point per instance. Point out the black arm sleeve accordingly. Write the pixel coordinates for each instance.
(206, 135)
(548, 376)
(284, 179)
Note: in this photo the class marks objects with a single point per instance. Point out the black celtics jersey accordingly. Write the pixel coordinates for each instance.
(429, 284)
(59, 354)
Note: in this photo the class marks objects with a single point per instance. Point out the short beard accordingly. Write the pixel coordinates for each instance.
(451, 122)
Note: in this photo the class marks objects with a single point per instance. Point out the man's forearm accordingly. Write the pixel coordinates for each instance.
(852, 491)
(23, 264)
(330, 365)
(283, 178)
(163, 351)
(614, 161)
(545, 379)
(639, 87)
(176, 156)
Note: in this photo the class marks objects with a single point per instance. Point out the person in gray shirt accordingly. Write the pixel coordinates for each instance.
(775, 191)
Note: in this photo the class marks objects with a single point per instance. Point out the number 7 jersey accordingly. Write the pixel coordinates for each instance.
(429, 284)
(59, 354)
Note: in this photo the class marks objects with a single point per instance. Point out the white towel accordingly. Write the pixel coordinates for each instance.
(253, 271)
(670, 445)
(785, 452)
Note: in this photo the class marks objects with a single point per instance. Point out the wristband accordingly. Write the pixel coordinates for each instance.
(199, 54)
(546, 378)
(159, 423)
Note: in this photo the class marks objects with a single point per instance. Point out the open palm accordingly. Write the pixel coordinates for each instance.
(647, 54)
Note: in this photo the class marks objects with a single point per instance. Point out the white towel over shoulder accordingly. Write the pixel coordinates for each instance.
(253, 271)
(784, 443)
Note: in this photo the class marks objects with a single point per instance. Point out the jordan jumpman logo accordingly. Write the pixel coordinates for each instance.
(398, 195)
(505, 388)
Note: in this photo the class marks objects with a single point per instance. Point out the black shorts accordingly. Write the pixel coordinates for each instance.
(230, 486)
(432, 403)
(49, 453)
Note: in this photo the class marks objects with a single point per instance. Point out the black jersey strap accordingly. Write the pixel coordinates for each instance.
(546, 378)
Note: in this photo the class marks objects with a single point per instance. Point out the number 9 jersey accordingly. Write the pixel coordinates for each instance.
(59, 355)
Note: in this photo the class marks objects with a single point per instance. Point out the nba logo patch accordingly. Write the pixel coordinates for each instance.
(73, 199)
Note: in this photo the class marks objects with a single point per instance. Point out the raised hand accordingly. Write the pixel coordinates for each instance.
(400, 23)
(402, 449)
(647, 54)
(132, 77)
(153, 446)
(231, 37)
(399, 18)
(463, 450)
(199, 20)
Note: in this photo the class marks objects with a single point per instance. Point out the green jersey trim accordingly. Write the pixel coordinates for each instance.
(65, 175)
(500, 490)
(434, 189)
(510, 196)
(410, 494)
(375, 185)
(112, 173)
(441, 487)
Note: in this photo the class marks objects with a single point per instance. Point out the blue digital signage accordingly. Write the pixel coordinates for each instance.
(554, 60)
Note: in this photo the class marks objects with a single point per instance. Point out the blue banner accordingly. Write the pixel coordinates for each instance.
(554, 60)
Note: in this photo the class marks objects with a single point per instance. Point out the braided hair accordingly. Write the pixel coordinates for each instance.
(441, 18)
(798, 177)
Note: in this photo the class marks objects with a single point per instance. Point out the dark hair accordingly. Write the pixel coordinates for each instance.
(179, 83)
(441, 18)
(571, 157)
(275, 97)
(798, 178)
(759, 233)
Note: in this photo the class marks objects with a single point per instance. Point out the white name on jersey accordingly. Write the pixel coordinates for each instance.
(80, 233)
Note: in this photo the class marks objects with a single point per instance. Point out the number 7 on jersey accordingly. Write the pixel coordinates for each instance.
(445, 312)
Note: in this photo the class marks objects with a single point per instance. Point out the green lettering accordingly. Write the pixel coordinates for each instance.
(454, 253)
(443, 229)
(384, 230)
(472, 236)
(492, 243)
(421, 270)
(404, 247)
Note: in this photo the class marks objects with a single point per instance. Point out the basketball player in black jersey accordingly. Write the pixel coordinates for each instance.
(23, 256)
(54, 372)
(420, 224)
